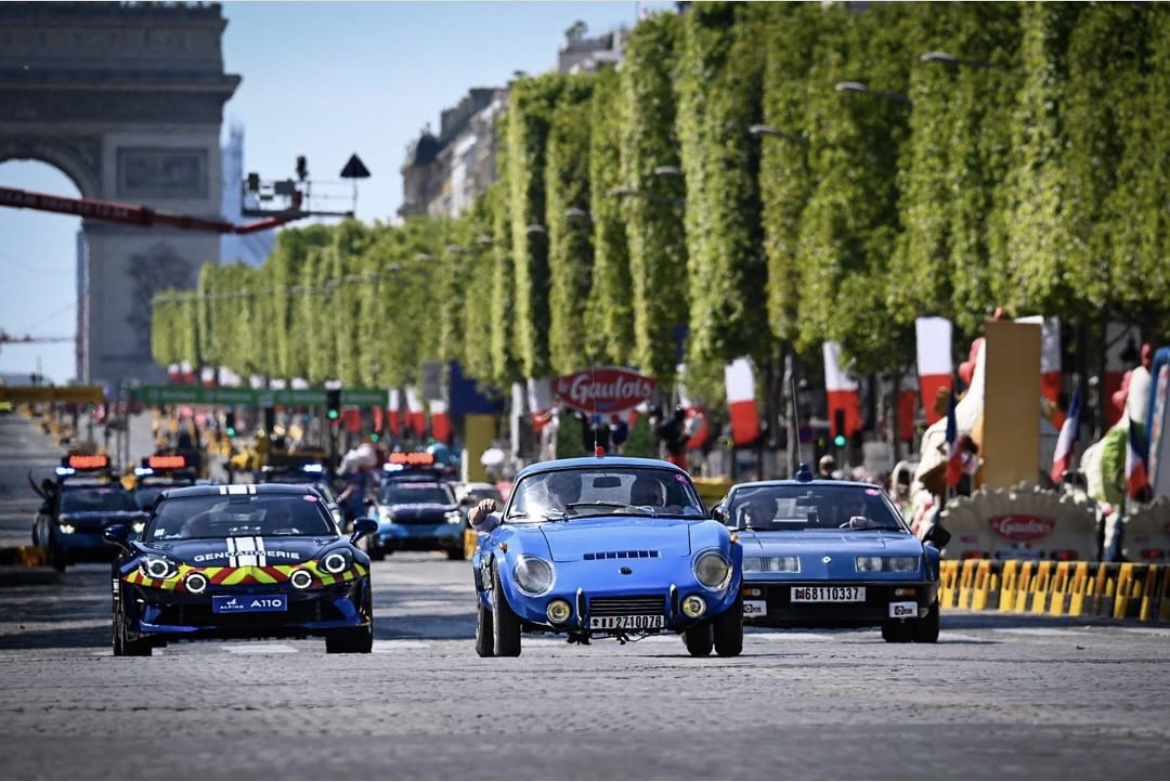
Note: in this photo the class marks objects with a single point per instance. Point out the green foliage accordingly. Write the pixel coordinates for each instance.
(570, 258)
(505, 355)
(609, 315)
(641, 440)
(477, 302)
(653, 212)
(570, 437)
(531, 105)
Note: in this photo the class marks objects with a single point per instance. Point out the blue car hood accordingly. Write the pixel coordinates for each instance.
(112, 516)
(604, 538)
(283, 550)
(857, 543)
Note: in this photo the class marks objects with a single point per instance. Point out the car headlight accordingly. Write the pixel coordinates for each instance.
(887, 564)
(158, 567)
(336, 562)
(138, 526)
(454, 517)
(68, 529)
(195, 583)
(712, 569)
(534, 576)
(771, 564)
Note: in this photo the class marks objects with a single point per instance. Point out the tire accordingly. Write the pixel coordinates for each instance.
(505, 623)
(898, 632)
(699, 639)
(55, 556)
(926, 629)
(123, 646)
(456, 554)
(358, 640)
(728, 630)
(484, 643)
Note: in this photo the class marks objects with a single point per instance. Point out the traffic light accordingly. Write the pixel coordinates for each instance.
(269, 419)
(333, 403)
(839, 427)
(302, 168)
(229, 423)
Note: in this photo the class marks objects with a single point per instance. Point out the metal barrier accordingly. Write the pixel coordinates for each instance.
(1116, 590)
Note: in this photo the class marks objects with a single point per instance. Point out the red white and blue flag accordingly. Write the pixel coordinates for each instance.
(1070, 432)
(1136, 478)
(954, 456)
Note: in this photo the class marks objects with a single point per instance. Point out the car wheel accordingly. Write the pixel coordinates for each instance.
(123, 646)
(55, 555)
(377, 554)
(926, 629)
(484, 635)
(457, 554)
(505, 623)
(700, 639)
(898, 632)
(728, 631)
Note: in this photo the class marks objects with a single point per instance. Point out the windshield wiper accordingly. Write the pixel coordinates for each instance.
(615, 505)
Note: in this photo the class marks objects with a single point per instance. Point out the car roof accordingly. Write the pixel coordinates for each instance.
(819, 484)
(599, 462)
(237, 489)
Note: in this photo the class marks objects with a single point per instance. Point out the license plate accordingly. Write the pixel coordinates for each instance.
(628, 622)
(755, 607)
(828, 594)
(237, 604)
(905, 610)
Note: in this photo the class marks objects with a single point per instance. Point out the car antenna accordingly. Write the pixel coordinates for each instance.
(594, 419)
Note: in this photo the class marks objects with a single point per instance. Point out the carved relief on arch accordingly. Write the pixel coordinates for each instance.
(150, 272)
(78, 157)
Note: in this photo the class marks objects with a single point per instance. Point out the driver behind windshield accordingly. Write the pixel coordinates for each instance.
(551, 493)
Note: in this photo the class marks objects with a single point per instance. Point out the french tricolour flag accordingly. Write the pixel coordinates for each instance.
(741, 401)
(935, 365)
(1069, 434)
(954, 456)
(1136, 479)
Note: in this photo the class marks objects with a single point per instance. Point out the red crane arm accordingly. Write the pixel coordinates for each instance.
(132, 214)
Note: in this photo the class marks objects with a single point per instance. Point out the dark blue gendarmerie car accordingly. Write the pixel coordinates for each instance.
(417, 511)
(606, 547)
(241, 561)
(825, 553)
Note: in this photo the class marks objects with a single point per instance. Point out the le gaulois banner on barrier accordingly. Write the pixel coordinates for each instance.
(604, 390)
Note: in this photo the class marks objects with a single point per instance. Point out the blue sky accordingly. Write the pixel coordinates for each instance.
(320, 79)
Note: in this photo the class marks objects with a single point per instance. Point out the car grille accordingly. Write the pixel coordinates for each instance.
(621, 606)
(594, 555)
(299, 612)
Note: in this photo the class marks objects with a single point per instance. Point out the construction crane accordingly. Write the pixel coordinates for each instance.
(9, 339)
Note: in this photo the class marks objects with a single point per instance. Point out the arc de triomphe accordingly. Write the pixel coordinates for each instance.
(127, 100)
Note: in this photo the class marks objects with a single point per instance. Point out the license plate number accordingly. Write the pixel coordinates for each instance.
(904, 610)
(755, 607)
(238, 604)
(828, 594)
(628, 622)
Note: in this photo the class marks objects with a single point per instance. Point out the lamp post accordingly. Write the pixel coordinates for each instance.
(947, 58)
(862, 87)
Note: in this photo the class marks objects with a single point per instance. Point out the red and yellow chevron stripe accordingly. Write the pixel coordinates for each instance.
(247, 574)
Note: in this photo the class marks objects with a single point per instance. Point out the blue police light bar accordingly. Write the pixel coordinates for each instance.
(65, 471)
(313, 468)
(143, 471)
(388, 467)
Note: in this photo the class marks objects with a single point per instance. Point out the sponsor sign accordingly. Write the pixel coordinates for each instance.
(604, 390)
(1021, 526)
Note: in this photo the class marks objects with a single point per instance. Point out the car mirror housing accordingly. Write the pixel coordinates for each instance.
(938, 536)
(361, 528)
(116, 534)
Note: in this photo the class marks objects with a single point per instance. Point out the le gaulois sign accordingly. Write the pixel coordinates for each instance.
(604, 390)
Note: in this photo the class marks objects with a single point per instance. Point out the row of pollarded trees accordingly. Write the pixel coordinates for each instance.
(756, 175)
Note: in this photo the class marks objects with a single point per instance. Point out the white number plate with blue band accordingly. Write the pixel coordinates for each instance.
(629, 622)
(828, 594)
(244, 604)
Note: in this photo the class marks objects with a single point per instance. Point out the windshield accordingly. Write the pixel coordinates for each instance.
(319, 485)
(97, 499)
(594, 491)
(217, 516)
(417, 494)
(794, 507)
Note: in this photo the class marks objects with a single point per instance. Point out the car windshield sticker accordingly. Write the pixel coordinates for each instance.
(308, 498)
(873, 492)
(680, 478)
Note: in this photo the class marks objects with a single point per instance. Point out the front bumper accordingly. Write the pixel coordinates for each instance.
(440, 536)
(771, 604)
(170, 615)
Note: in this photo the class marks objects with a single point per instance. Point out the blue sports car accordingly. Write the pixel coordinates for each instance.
(825, 553)
(606, 547)
(241, 561)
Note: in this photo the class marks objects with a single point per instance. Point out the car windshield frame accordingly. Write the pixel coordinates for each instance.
(217, 516)
(531, 501)
(433, 488)
(111, 490)
(800, 507)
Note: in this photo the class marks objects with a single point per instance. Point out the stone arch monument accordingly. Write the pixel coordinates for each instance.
(127, 100)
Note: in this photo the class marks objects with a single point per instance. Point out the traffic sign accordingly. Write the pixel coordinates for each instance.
(254, 397)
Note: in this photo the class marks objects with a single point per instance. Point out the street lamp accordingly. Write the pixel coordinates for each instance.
(485, 240)
(626, 192)
(576, 212)
(857, 86)
(668, 171)
(771, 130)
(533, 228)
(949, 59)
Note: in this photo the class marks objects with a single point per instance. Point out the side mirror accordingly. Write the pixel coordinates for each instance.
(719, 513)
(117, 535)
(361, 528)
(937, 536)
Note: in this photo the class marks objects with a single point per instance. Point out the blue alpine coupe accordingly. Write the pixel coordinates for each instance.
(606, 546)
(241, 561)
(826, 553)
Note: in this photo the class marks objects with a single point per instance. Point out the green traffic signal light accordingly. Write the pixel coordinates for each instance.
(231, 431)
(375, 437)
(333, 414)
(839, 441)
